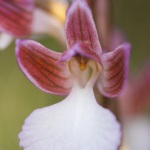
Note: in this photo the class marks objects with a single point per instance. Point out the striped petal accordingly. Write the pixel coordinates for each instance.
(76, 123)
(40, 66)
(16, 17)
(115, 71)
(80, 26)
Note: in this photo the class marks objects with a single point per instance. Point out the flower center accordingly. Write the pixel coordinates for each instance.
(83, 70)
(82, 61)
(82, 64)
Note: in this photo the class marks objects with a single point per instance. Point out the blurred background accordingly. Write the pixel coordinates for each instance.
(18, 97)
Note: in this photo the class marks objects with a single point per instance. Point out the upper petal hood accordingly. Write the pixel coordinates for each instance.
(115, 71)
(40, 65)
(16, 17)
(80, 27)
(81, 49)
(76, 123)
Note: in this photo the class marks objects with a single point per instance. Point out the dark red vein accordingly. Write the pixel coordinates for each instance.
(89, 34)
(117, 55)
(114, 73)
(42, 60)
(47, 86)
(13, 20)
(115, 88)
(18, 13)
(21, 7)
(116, 79)
(80, 22)
(114, 64)
(9, 22)
(39, 66)
(48, 56)
(73, 28)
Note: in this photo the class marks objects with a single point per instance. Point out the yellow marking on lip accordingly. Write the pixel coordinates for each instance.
(82, 67)
(82, 64)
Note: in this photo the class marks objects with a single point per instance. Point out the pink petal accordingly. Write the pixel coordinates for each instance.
(81, 49)
(40, 65)
(16, 17)
(115, 71)
(80, 26)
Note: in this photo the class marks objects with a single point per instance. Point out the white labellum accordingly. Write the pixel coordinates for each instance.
(76, 123)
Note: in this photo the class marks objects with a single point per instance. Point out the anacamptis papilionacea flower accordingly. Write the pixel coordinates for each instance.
(78, 122)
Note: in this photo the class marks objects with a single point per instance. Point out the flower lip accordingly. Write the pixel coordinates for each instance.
(79, 118)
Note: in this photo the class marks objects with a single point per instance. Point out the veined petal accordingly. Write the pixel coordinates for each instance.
(81, 49)
(40, 66)
(76, 123)
(16, 17)
(80, 27)
(115, 71)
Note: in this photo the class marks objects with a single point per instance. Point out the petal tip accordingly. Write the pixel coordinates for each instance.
(21, 41)
(17, 48)
(126, 47)
(18, 43)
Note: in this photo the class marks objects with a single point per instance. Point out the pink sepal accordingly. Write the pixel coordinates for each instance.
(115, 71)
(40, 66)
(80, 27)
(16, 17)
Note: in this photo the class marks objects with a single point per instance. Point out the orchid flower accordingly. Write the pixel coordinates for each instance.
(21, 18)
(78, 122)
